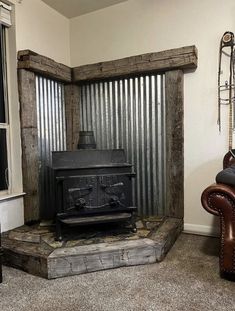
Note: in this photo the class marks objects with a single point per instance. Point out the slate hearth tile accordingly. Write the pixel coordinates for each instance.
(143, 233)
(139, 224)
(150, 225)
(49, 239)
(72, 243)
(25, 236)
(24, 228)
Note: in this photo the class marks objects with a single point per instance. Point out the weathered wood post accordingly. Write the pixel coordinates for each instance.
(29, 138)
(29, 65)
(174, 93)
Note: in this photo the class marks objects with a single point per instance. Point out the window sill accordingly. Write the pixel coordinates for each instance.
(12, 196)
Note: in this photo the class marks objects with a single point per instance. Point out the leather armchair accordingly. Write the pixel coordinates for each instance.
(219, 200)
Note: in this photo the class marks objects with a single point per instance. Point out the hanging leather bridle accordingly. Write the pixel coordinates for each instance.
(227, 44)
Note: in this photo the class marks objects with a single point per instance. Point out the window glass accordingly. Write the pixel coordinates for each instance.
(3, 160)
(4, 126)
(2, 55)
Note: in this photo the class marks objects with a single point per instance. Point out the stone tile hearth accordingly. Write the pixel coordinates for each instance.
(86, 249)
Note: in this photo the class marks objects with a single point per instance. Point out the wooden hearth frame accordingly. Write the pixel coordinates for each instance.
(174, 63)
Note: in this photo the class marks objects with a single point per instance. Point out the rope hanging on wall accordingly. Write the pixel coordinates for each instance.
(226, 88)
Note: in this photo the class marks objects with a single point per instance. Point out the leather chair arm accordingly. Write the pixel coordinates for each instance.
(217, 198)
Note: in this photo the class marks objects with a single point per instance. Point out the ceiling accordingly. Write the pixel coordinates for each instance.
(73, 8)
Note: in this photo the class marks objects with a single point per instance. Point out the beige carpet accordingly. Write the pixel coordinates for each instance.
(187, 280)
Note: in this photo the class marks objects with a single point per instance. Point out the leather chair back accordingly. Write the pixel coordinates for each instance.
(229, 159)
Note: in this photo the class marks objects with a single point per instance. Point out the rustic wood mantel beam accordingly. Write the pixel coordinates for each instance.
(184, 58)
(43, 65)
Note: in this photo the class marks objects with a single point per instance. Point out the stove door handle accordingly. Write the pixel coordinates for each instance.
(120, 184)
(89, 187)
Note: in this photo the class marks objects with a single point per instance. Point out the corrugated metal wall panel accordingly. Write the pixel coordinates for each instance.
(130, 113)
(51, 134)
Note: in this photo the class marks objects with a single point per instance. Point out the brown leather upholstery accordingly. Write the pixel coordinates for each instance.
(228, 160)
(219, 200)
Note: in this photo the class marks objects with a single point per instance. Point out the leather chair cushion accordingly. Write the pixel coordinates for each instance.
(227, 176)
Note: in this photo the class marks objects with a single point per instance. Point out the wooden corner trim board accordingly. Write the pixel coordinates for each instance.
(43, 65)
(184, 58)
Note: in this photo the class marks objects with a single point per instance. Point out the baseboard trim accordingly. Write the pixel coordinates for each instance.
(201, 230)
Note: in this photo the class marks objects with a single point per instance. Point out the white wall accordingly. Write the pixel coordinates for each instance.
(141, 26)
(43, 30)
(11, 214)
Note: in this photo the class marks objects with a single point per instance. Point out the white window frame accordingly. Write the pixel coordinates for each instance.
(6, 124)
(12, 125)
(7, 128)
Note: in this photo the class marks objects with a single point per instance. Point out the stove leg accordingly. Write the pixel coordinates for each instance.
(134, 229)
(58, 231)
(133, 225)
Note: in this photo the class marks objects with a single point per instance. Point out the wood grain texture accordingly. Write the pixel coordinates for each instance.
(37, 257)
(166, 236)
(84, 259)
(44, 66)
(28, 257)
(72, 115)
(27, 97)
(180, 58)
(30, 168)
(174, 81)
(101, 256)
(29, 140)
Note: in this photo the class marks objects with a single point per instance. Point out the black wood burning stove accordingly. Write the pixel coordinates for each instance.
(92, 186)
